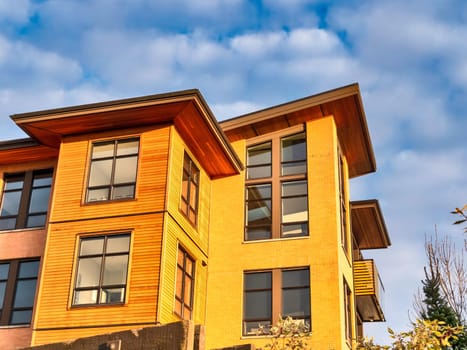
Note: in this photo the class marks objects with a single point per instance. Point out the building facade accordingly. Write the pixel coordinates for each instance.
(144, 211)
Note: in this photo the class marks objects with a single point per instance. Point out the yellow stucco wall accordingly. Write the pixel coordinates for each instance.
(321, 251)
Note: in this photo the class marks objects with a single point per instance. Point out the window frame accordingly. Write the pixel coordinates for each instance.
(25, 196)
(347, 292)
(112, 185)
(345, 238)
(11, 287)
(276, 289)
(192, 175)
(191, 276)
(276, 181)
(103, 255)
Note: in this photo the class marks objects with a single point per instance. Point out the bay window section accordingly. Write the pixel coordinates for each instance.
(276, 188)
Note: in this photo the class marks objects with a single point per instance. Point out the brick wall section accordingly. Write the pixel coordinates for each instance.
(173, 336)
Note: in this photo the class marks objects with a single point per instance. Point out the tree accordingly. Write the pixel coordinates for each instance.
(424, 335)
(462, 212)
(287, 334)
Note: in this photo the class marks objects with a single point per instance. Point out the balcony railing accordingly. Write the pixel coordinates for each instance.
(369, 291)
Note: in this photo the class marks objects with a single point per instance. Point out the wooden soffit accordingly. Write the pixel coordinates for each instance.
(368, 225)
(344, 104)
(187, 110)
(24, 150)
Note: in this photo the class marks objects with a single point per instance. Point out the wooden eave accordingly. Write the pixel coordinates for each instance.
(23, 151)
(344, 104)
(368, 225)
(187, 110)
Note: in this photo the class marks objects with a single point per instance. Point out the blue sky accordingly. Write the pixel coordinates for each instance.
(409, 57)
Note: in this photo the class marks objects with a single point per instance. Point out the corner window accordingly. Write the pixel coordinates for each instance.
(112, 172)
(185, 285)
(25, 199)
(273, 293)
(102, 267)
(18, 279)
(276, 195)
(190, 190)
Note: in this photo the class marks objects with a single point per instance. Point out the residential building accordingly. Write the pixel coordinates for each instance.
(144, 211)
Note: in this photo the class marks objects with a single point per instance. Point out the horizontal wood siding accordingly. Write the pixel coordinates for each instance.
(54, 308)
(73, 168)
(364, 277)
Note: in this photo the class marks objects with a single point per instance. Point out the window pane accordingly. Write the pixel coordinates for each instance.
(42, 180)
(24, 294)
(92, 246)
(39, 200)
(125, 170)
(252, 328)
(118, 244)
(258, 192)
(4, 268)
(258, 305)
(296, 302)
(187, 291)
(295, 229)
(189, 266)
(179, 288)
(294, 148)
(259, 172)
(112, 295)
(259, 154)
(259, 212)
(7, 224)
(13, 185)
(103, 150)
(293, 168)
(295, 188)
(28, 269)
(10, 203)
(115, 269)
(85, 297)
(21, 317)
(294, 209)
(88, 272)
(101, 171)
(2, 293)
(258, 280)
(256, 233)
(126, 147)
(36, 220)
(101, 194)
(122, 192)
(295, 278)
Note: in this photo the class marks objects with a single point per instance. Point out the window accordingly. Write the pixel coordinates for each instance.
(25, 199)
(102, 269)
(348, 312)
(112, 173)
(185, 285)
(190, 189)
(276, 196)
(274, 293)
(343, 206)
(18, 279)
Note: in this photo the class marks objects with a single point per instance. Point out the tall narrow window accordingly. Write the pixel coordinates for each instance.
(348, 312)
(273, 293)
(102, 268)
(190, 190)
(25, 199)
(112, 173)
(18, 279)
(343, 206)
(185, 285)
(276, 195)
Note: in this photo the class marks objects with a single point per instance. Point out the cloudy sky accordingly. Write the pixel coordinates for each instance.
(409, 57)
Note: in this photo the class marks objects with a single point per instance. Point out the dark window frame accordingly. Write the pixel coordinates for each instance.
(275, 181)
(112, 186)
(101, 286)
(8, 308)
(348, 312)
(345, 239)
(188, 204)
(276, 290)
(26, 191)
(181, 307)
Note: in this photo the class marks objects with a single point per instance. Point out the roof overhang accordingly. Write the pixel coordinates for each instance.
(187, 110)
(23, 151)
(344, 104)
(368, 225)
